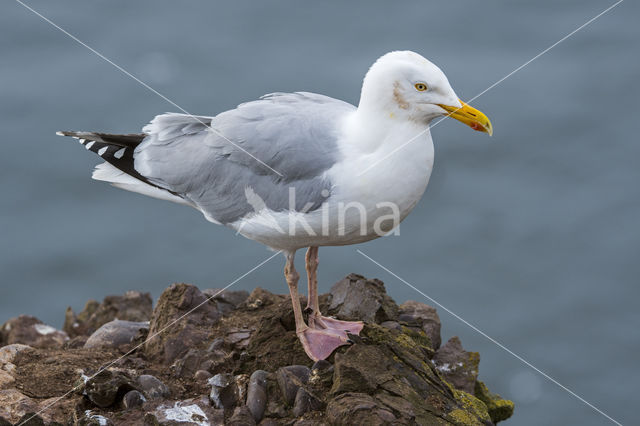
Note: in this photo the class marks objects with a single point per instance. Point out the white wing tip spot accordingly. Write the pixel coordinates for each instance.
(82, 141)
(102, 150)
(119, 153)
(59, 133)
(90, 144)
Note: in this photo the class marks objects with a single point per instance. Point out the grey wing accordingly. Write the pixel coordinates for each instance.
(262, 148)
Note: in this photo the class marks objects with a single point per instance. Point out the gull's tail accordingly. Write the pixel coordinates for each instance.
(119, 166)
(116, 150)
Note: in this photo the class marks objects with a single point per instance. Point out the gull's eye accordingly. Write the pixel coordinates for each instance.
(420, 87)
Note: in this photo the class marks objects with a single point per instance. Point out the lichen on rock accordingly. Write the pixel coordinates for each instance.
(499, 408)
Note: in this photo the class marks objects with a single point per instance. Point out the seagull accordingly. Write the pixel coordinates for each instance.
(298, 170)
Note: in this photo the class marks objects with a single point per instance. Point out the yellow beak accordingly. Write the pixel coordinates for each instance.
(470, 116)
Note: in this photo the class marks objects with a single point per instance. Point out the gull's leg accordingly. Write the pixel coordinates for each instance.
(311, 265)
(316, 320)
(318, 344)
(292, 277)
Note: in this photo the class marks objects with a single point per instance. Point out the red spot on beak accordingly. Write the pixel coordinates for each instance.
(476, 126)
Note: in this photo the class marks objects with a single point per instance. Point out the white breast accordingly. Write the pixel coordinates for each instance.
(392, 171)
(376, 183)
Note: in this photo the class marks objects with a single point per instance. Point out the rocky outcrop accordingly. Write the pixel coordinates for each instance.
(416, 314)
(180, 322)
(31, 331)
(357, 298)
(457, 366)
(209, 359)
(117, 333)
(132, 306)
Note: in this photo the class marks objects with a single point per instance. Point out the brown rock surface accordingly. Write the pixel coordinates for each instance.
(132, 306)
(457, 366)
(424, 316)
(250, 368)
(359, 299)
(29, 330)
(179, 322)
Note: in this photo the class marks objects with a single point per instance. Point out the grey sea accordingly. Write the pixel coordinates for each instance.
(532, 236)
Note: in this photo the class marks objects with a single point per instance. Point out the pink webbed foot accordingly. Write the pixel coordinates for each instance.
(320, 322)
(319, 344)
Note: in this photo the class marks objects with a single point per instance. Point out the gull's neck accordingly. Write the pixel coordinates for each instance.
(375, 129)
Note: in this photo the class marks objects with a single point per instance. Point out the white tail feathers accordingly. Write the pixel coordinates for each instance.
(109, 173)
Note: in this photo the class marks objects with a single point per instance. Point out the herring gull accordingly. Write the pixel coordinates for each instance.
(298, 170)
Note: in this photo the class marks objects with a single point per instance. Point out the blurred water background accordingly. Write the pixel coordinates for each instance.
(532, 235)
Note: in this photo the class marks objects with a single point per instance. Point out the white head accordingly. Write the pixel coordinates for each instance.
(404, 85)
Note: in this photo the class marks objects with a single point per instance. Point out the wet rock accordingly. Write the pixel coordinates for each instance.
(241, 417)
(132, 306)
(424, 316)
(152, 387)
(457, 366)
(304, 402)
(290, 378)
(360, 408)
(224, 392)
(357, 298)
(499, 408)
(226, 301)
(257, 394)
(133, 399)
(187, 412)
(117, 333)
(107, 387)
(189, 313)
(31, 331)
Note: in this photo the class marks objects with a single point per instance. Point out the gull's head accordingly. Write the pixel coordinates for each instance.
(405, 85)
